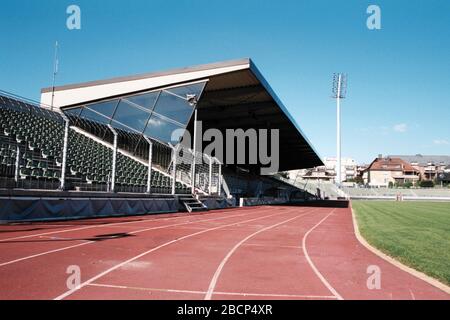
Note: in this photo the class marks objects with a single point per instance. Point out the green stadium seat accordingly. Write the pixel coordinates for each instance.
(41, 141)
(24, 173)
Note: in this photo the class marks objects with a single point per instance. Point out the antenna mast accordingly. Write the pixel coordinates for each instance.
(55, 72)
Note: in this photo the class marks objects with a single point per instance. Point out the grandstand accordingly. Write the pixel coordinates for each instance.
(329, 191)
(32, 153)
(317, 189)
(117, 145)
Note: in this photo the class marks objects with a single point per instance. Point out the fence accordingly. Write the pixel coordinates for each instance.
(196, 169)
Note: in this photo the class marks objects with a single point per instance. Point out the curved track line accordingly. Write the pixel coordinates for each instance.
(70, 292)
(132, 232)
(216, 275)
(316, 271)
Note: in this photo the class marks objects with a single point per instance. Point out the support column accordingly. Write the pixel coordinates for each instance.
(194, 149)
(150, 163)
(114, 163)
(174, 169)
(219, 192)
(16, 172)
(210, 174)
(64, 156)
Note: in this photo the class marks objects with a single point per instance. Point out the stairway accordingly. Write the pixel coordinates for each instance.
(192, 204)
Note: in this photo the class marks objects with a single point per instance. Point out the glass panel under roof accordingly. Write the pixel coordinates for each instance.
(146, 101)
(73, 112)
(192, 89)
(167, 109)
(122, 127)
(91, 115)
(105, 108)
(162, 130)
(174, 107)
(131, 116)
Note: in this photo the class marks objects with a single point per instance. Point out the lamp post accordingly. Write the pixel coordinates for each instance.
(339, 92)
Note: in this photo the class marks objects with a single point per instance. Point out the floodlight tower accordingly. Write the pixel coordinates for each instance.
(339, 92)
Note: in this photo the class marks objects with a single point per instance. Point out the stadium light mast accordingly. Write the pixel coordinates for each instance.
(339, 92)
(55, 72)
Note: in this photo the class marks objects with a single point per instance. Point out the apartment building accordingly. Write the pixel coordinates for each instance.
(428, 166)
(383, 171)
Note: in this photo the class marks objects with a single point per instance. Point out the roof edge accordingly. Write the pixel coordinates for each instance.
(202, 67)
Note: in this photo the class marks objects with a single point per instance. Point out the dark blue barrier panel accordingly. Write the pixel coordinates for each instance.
(35, 209)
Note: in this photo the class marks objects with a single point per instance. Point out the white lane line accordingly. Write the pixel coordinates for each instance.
(43, 253)
(242, 294)
(90, 242)
(144, 289)
(275, 295)
(68, 293)
(78, 229)
(45, 234)
(152, 219)
(269, 246)
(308, 258)
(216, 275)
(36, 225)
(191, 222)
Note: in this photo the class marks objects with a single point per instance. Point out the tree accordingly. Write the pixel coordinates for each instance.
(408, 184)
(426, 184)
(359, 180)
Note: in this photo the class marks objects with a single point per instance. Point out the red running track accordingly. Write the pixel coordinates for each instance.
(250, 253)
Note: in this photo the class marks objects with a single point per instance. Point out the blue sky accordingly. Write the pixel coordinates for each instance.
(399, 77)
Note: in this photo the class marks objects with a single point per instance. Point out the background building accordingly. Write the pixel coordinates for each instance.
(383, 171)
(429, 167)
(348, 168)
(327, 172)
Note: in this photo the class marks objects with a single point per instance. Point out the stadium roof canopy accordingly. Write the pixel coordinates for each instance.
(232, 95)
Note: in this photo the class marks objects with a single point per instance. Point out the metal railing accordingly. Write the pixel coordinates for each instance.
(195, 168)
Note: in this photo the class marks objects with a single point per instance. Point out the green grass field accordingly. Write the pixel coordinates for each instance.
(415, 233)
